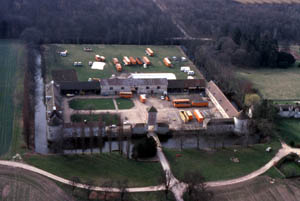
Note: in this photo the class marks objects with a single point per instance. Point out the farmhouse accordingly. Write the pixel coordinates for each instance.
(139, 86)
(219, 99)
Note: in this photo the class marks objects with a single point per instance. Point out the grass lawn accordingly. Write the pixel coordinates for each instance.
(109, 119)
(54, 61)
(289, 130)
(92, 104)
(217, 165)
(99, 168)
(274, 83)
(12, 61)
(124, 103)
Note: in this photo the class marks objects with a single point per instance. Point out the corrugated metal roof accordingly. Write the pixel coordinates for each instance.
(80, 85)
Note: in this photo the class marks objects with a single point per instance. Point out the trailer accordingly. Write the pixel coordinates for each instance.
(190, 115)
(119, 67)
(99, 58)
(149, 52)
(132, 60)
(125, 94)
(200, 103)
(126, 61)
(139, 61)
(167, 62)
(146, 60)
(143, 98)
(115, 61)
(198, 116)
(183, 116)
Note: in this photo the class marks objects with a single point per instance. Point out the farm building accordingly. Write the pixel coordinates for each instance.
(139, 86)
(178, 86)
(219, 125)
(53, 103)
(220, 101)
(79, 87)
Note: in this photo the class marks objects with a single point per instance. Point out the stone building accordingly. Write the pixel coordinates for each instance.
(139, 86)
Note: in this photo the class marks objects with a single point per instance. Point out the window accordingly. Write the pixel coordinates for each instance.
(147, 87)
(122, 88)
(158, 87)
(111, 88)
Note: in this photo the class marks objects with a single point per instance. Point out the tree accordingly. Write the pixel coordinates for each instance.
(89, 185)
(145, 148)
(197, 189)
(74, 180)
(123, 185)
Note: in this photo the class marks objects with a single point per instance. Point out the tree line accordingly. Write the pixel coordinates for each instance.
(213, 18)
(60, 21)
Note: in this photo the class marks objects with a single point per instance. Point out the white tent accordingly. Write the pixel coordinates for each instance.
(169, 76)
(98, 65)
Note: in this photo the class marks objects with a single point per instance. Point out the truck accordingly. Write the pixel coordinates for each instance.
(146, 60)
(199, 116)
(149, 52)
(167, 62)
(132, 60)
(143, 98)
(119, 67)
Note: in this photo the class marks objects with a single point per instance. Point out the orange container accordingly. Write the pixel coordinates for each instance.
(143, 98)
(198, 116)
(119, 67)
(115, 60)
(132, 60)
(200, 103)
(146, 60)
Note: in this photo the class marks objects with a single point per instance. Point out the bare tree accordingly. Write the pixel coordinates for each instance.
(197, 189)
(74, 181)
(82, 136)
(100, 134)
(91, 138)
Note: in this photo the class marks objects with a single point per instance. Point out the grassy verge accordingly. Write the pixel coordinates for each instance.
(92, 104)
(109, 119)
(289, 130)
(274, 83)
(12, 61)
(124, 103)
(217, 165)
(99, 168)
(290, 169)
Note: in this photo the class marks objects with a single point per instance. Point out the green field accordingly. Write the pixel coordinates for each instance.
(290, 169)
(55, 61)
(217, 165)
(124, 103)
(289, 130)
(109, 119)
(274, 83)
(99, 168)
(92, 104)
(12, 59)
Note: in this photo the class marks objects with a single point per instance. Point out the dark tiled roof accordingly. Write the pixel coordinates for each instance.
(183, 84)
(221, 121)
(152, 109)
(133, 82)
(80, 85)
(230, 110)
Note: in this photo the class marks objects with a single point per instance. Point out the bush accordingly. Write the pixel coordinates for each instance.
(145, 148)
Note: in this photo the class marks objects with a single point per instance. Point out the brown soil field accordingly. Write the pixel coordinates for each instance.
(260, 189)
(18, 184)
